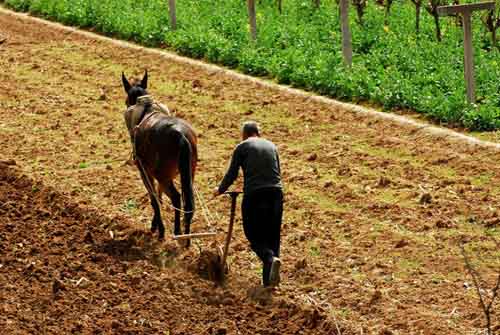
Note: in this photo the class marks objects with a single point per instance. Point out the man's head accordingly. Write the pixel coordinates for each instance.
(250, 129)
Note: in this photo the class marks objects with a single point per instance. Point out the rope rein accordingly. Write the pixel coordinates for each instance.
(204, 209)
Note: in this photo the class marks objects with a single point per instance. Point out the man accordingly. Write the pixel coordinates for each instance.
(262, 206)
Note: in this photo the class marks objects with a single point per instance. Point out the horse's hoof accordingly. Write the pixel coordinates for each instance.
(154, 229)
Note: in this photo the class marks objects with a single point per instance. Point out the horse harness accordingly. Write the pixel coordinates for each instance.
(137, 115)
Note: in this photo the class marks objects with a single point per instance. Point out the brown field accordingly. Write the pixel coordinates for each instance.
(374, 211)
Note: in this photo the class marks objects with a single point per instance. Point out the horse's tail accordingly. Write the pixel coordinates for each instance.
(186, 171)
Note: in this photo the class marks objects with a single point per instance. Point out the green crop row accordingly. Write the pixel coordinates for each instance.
(392, 67)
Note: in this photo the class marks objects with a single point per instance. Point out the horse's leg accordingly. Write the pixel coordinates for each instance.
(188, 208)
(156, 222)
(186, 172)
(175, 197)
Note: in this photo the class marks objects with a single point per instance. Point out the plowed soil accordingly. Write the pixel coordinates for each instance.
(374, 212)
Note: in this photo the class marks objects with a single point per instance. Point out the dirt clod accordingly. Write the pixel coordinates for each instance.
(8, 162)
(402, 243)
(384, 181)
(328, 184)
(312, 157)
(301, 264)
(209, 266)
(443, 223)
(425, 198)
(88, 238)
(57, 286)
(221, 331)
(376, 297)
(260, 294)
(492, 223)
(344, 171)
(196, 83)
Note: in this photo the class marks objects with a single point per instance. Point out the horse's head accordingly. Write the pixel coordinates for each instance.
(136, 89)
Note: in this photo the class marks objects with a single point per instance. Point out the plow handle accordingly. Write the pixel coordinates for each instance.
(234, 196)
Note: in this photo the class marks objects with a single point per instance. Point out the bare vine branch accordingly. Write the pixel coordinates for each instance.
(476, 278)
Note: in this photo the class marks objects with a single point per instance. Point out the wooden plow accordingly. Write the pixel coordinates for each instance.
(219, 268)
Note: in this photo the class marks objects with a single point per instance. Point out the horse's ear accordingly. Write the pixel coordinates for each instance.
(144, 81)
(126, 84)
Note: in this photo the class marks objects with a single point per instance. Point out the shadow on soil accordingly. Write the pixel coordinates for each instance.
(139, 245)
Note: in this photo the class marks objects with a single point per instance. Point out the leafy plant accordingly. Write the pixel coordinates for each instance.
(129, 205)
(302, 47)
(83, 165)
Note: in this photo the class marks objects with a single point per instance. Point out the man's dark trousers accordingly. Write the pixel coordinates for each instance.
(262, 212)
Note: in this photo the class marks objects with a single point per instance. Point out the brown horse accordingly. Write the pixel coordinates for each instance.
(163, 146)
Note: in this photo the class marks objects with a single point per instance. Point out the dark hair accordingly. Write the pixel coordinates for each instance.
(250, 128)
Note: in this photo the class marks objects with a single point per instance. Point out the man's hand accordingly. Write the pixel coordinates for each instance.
(216, 192)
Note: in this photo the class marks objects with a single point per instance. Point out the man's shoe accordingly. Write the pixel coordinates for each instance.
(274, 273)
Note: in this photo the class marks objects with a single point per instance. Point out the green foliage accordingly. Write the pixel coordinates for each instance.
(302, 47)
(83, 165)
(129, 206)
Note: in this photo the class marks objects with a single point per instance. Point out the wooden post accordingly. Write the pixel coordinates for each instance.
(173, 15)
(252, 19)
(346, 32)
(466, 12)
